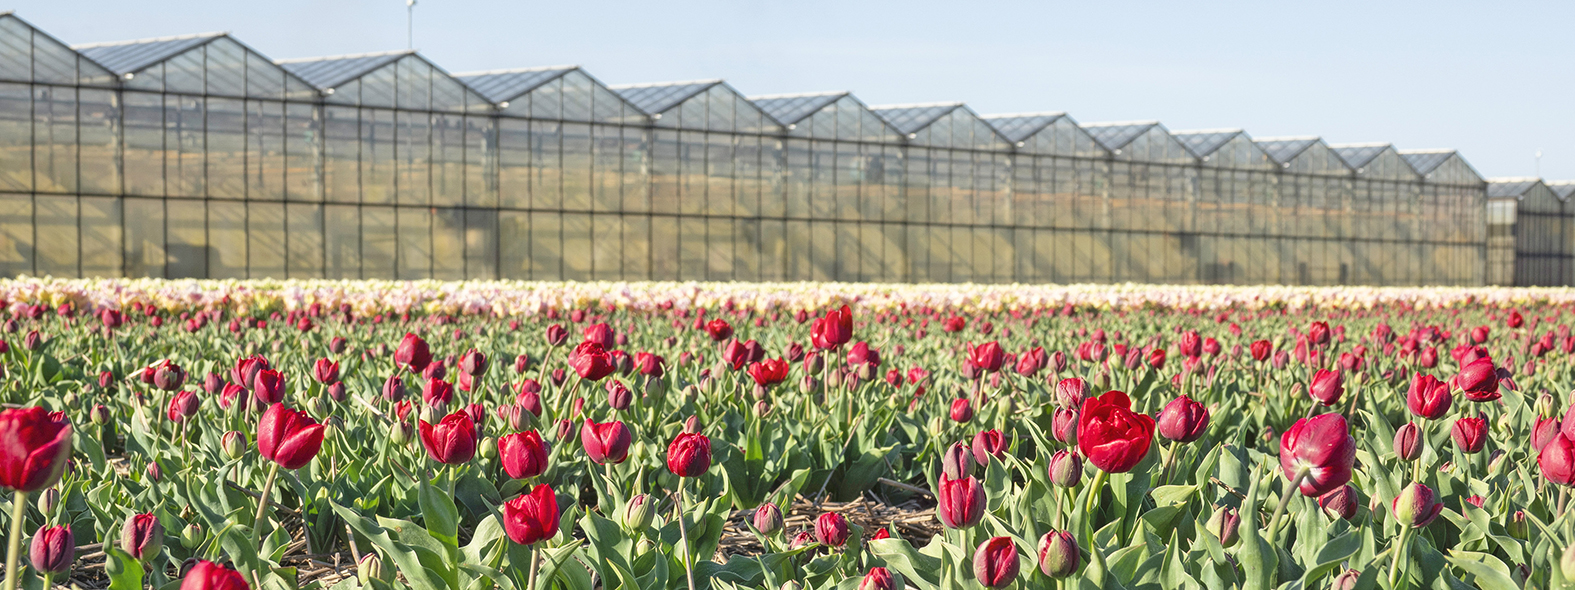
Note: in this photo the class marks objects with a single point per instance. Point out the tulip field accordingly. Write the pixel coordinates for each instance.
(660, 436)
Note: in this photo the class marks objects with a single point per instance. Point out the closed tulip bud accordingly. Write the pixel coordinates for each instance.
(1063, 425)
(638, 513)
(401, 432)
(1070, 393)
(369, 568)
(1416, 506)
(1545, 406)
(995, 562)
(142, 537)
(394, 389)
(618, 396)
(53, 549)
(1183, 420)
(32, 341)
(1408, 444)
(832, 529)
(762, 409)
(1059, 554)
(814, 364)
(212, 384)
(962, 410)
(1066, 468)
(692, 424)
(317, 408)
(1517, 526)
(960, 503)
(336, 391)
(1341, 503)
(957, 461)
(689, 455)
(99, 415)
(1225, 523)
(487, 448)
(878, 578)
(987, 444)
(48, 500)
(1346, 580)
(192, 536)
(234, 444)
(153, 472)
(1469, 434)
(768, 519)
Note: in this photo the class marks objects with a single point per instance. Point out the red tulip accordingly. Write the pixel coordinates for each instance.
(1318, 333)
(1156, 358)
(590, 361)
(960, 503)
(862, 355)
(650, 365)
(1479, 380)
(600, 333)
(1543, 432)
(1428, 397)
(183, 405)
(719, 329)
(1110, 435)
(532, 517)
(1070, 393)
(36, 448)
(1557, 460)
(556, 335)
(1032, 361)
(1407, 443)
(689, 455)
(605, 443)
(769, 372)
(1327, 387)
(878, 578)
(988, 443)
(1183, 420)
(1324, 448)
(473, 363)
(524, 454)
(832, 529)
(288, 437)
(325, 371)
(1261, 350)
(995, 562)
(1341, 502)
(142, 536)
(961, 410)
(1190, 345)
(53, 549)
(268, 386)
(1469, 434)
(451, 441)
(1058, 554)
(207, 575)
(413, 353)
(832, 331)
(988, 356)
(1416, 506)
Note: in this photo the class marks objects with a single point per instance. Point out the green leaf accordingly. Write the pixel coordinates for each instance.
(440, 515)
(124, 571)
(919, 569)
(1488, 571)
(1330, 556)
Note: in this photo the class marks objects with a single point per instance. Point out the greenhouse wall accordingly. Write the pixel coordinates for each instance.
(199, 157)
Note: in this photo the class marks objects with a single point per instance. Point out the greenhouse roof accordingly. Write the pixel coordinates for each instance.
(909, 118)
(1116, 135)
(1020, 126)
(1285, 149)
(1425, 161)
(1504, 188)
(788, 109)
(1562, 188)
(124, 57)
(1203, 142)
(659, 96)
(328, 72)
(1357, 155)
(499, 86)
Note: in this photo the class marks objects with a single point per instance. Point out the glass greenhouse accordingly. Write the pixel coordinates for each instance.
(197, 156)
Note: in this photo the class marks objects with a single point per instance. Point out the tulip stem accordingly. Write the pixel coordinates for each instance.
(535, 568)
(14, 545)
(1564, 495)
(1399, 557)
(683, 535)
(1285, 499)
(262, 505)
(1093, 494)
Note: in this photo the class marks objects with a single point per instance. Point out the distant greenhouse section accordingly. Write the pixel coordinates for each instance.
(198, 156)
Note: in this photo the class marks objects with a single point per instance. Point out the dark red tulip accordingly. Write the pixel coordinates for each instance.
(769, 372)
(1428, 397)
(1327, 387)
(168, 376)
(719, 330)
(1183, 420)
(337, 345)
(832, 529)
(862, 355)
(268, 386)
(987, 444)
(437, 393)
(1321, 446)
(832, 331)
(413, 353)
(987, 357)
(207, 575)
(689, 455)
(1557, 460)
(1063, 425)
(599, 333)
(183, 405)
(1070, 393)
(533, 517)
(1110, 435)
(523, 454)
(618, 395)
(1340, 502)
(1261, 349)
(288, 437)
(36, 447)
(1479, 380)
(1190, 344)
(1156, 358)
(878, 578)
(590, 361)
(995, 562)
(556, 335)
(961, 411)
(1408, 442)
(649, 364)
(605, 443)
(1318, 333)
(1066, 468)
(451, 441)
(325, 371)
(1469, 434)
(1543, 432)
(1031, 362)
(142, 536)
(53, 549)
(473, 363)
(960, 503)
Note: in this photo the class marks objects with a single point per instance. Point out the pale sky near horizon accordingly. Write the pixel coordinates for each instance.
(1486, 80)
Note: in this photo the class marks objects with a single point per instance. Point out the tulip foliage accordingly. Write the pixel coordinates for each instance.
(299, 436)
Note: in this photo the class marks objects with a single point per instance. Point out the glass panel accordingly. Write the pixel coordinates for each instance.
(16, 137)
(187, 239)
(184, 135)
(265, 244)
(144, 238)
(414, 150)
(514, 161)
(226, 67)
(481, 180)
(343, 247)
(448, 160)
(606, 242)
(481, 244)
(305, 227)
(98, 137)
(226, 240)
(577, 253)
(301, 144)
(514, 245)
(342, 154)
(664, 248)
(636, 249)
(415, 243)
(576, 178)
(546, 246)
(377, 156)
(56, 219)
(227, 149)
(378, 242)
(101, 243)
(448, 244)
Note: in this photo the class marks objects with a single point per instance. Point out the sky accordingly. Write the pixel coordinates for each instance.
(1493, 82)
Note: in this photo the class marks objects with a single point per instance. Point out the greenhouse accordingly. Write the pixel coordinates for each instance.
(199, 156)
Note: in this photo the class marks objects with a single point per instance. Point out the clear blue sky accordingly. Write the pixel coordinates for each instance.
(1492, 80)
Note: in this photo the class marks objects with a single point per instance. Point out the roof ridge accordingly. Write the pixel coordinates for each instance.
(655, 84)
(150, 40)
(516, 70)
(295, 60)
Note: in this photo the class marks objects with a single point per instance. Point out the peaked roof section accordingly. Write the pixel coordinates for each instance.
(1511, 187)
(1116, 135)
(324, 73)
(1285, 149)
(1425, 161)
(1357, 155)
(499, 86)
(909, 118)
(656, 97)
(1562, 188)
(126, 57)
(1017, 127)
(1203, 142)
(789, 109)
(28, 54)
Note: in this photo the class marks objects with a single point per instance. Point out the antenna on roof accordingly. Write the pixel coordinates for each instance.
(1539, 163)
(410, 24)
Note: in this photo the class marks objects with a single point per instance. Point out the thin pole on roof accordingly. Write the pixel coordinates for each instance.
(1539, 164)
(410, 24)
